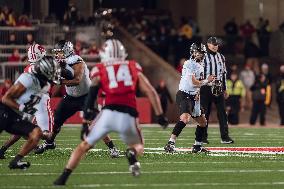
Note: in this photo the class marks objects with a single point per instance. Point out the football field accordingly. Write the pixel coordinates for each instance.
(255, 160)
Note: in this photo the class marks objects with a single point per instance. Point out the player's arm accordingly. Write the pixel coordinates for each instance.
(89, 106)
(198, 83)
(146, 88)
(78, 75)
(67, 73)
(12, 94)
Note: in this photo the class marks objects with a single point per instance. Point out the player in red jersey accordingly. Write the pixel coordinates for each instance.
(119, 79)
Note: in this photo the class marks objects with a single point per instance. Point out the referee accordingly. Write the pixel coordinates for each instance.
(214, 64)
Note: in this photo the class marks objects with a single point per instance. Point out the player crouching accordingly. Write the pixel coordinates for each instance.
(18, 106)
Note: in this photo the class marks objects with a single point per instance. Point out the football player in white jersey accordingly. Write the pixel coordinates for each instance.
(77, 90)
(44, 114)
(18, 106)
(188, 99)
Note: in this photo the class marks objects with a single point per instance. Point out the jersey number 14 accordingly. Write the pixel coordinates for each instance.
(122, 75)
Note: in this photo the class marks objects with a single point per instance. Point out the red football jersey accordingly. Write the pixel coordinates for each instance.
(118, 81)
(27, 68)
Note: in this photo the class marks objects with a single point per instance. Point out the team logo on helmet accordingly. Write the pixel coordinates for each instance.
(112, 49)
(35, 53)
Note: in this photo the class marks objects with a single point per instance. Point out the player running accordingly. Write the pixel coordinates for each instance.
(119, 79)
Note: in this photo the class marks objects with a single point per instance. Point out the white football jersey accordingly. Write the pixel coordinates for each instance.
(190, 68)
(33, 88)
(83, 87)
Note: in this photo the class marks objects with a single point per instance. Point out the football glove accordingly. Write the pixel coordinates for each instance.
(27, 117)
(84, 130)
(163, 121)
(90, 114)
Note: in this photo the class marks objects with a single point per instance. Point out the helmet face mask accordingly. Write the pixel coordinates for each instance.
(63, 49)
(58, 54)
(197, 52)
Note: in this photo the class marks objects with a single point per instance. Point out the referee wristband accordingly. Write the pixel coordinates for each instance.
(204, 82)
(21, 107)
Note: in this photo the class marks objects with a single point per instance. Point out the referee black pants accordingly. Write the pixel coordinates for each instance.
(206, 99)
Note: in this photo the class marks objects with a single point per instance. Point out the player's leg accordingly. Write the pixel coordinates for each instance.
(130, 133)
(206, 102)
(184, 105)
(12, 140)
(66, 108)
(198, 144)
(98, 130)
(33, 134)
(44, 117)
(114, 153)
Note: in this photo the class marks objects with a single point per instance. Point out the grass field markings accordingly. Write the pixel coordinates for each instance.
(152, 185)
(154, 163)
(150, 172)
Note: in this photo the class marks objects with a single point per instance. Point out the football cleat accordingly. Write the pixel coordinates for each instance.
(43, 147)
(170, 147)
(114, 153)
(60, 181)
(199, 149)
(135, 169)
(19, 165)
(205, 141)
(227, 141)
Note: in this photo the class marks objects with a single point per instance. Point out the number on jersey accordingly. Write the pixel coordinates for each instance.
(123, 74)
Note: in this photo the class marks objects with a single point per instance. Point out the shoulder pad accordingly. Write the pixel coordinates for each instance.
(74, 59)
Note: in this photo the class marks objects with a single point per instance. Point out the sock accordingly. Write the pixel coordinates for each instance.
(198, 143)
(3, 149)
(131, 156)
(64, 176)
(172, 140)
(51, 140)
(17, 158)
(199, 133)
(178, 128)
(110, 144)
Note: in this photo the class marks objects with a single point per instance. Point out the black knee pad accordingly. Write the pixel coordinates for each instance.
(178, 128)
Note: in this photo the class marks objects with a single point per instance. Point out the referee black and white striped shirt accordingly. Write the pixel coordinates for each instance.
(214, 64)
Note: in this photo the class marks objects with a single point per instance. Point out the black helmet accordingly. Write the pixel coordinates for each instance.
(197, 51)
(214, 41)
(64, 46)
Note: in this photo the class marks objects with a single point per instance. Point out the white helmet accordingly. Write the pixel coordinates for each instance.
(111, 50)
(35, 53)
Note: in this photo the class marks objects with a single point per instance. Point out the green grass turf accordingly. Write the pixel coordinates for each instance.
(180, 170)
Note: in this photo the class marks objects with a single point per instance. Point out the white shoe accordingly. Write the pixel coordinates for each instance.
(114, 153)
(135, 169)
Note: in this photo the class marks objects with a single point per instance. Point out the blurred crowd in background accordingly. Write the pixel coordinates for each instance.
(251, 86)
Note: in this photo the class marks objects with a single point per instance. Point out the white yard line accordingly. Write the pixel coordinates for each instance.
(153, 185)
(151, 172)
